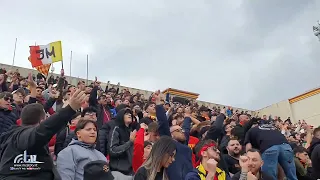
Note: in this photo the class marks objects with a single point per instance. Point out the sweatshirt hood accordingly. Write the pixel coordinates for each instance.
(82, 144)
(120, 116)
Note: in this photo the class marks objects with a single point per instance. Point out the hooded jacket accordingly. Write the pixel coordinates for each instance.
(103, 136)
(315, 157)
(31, 140)
(73, 158)
(120, 145)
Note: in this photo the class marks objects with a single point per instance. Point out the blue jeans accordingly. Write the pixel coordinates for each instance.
(283, 155)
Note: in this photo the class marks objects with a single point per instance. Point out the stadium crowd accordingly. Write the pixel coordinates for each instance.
(50, 130)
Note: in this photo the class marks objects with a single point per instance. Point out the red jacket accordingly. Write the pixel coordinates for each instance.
(138, 150)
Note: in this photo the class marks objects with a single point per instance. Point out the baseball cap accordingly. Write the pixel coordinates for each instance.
(97, 170)
(20, 90)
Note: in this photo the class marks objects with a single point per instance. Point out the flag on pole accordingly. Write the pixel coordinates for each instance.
(45, 54)
(43, 69)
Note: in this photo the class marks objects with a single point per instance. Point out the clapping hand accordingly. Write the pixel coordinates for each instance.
(31, 82)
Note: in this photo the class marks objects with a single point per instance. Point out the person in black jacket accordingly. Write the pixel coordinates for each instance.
(120, 142)
(243, 127)
(104, 132)
(314, 151)
(24, 149)
(103, 112)
(7, 117)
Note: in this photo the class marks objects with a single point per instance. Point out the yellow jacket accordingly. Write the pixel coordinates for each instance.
(203, 173)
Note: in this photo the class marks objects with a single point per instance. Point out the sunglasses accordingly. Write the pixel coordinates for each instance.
(178, 130)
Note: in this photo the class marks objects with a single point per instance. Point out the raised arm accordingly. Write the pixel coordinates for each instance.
(186, 126)
(138, 149)
(164, 128)
(216, 128)
(40, 135)
(93, 96)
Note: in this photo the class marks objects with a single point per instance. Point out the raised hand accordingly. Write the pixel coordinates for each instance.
(157, 97)
(77, 99)
(144, 126)
(96, 82)
(244, 163)
(31, 82)
(187, 111)
(133, 135)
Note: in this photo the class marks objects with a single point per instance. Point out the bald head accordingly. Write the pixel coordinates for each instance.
(243, 118)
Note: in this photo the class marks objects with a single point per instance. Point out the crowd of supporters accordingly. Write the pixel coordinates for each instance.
(50, 129)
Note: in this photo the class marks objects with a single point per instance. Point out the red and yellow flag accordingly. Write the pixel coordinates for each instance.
(45, 54)
(43, 69)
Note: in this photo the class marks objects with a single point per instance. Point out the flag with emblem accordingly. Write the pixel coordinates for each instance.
(43, 69)
(45, 54)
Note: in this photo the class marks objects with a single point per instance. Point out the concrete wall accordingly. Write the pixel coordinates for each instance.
(307, 109)
(281, 109)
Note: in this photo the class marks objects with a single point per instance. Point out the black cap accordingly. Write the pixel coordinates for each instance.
(97, 170)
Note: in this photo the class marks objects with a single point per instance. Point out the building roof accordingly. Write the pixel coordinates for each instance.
(304, 95)
(181, 93)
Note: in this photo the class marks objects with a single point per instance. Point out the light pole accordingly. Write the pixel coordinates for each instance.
(316, 30)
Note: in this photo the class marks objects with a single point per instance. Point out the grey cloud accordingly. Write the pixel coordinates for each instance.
(240, 53)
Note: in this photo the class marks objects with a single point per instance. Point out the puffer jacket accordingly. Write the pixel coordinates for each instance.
(73, 158)
(104, 134)
(120, 146)
(7, 119)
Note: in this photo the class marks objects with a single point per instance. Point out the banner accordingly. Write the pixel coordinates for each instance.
(45, 54)
(43, 69)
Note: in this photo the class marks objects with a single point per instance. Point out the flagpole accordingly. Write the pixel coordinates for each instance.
(14, 51)
(87, 68)
(70, 63)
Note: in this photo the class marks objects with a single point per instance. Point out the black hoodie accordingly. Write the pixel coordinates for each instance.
(314, 151)
(120, 146)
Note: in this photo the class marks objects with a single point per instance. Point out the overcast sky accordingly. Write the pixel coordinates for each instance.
(248, 54)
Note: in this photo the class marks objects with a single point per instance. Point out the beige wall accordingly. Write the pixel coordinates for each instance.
(281, 109)
(307, 109)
